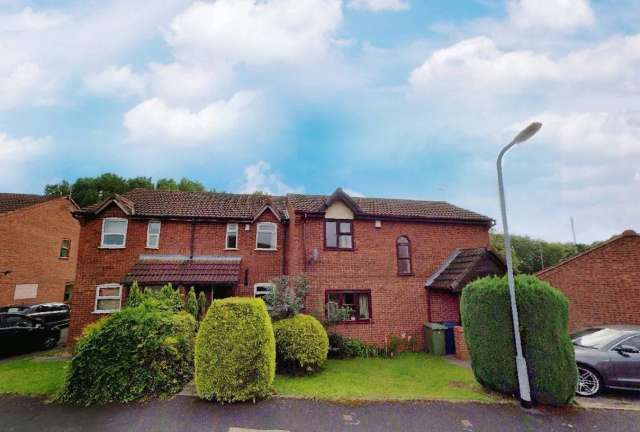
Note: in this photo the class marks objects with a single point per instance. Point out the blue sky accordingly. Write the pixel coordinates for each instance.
(394, 98)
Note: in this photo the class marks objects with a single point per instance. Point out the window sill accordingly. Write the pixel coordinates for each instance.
(97, 312)
(152, 248)
(266, 250)
(234, 249)
(355, 322)
(63, 258)
(406, 274)
(339, 249)
(112, 247)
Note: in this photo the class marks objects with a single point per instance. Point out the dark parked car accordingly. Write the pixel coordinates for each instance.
(607, 356)
(22, 333)
(52, 314)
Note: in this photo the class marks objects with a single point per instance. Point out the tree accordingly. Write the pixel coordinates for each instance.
(191, 303)
(60, 189)
(135, 296)
(285, 301)
(202, 305)
(86, 191)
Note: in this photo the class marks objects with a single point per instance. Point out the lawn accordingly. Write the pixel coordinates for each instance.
(32, 376)
(410, 376)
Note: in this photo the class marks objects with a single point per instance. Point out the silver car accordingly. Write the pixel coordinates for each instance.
(607, 356)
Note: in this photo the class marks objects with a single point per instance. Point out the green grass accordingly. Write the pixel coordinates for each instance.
(32, 376)
(410, 376)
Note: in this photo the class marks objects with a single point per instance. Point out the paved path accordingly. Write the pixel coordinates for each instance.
(184, 414)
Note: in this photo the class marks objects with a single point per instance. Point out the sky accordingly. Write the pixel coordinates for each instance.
(384, 98)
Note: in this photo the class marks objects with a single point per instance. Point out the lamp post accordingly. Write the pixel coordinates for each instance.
(521, 363)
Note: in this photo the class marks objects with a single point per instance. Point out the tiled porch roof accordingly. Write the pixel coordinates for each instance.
(463, 266)
(184, 270)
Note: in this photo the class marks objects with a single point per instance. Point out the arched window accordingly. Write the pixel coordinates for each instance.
(403, 249)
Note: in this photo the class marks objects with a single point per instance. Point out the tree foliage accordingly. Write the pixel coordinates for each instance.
(285, 300)
(191, 303)
(531, 255)
(90, 190)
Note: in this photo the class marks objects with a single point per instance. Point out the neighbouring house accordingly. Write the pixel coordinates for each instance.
(38, 248)
(396, 263)
(602, 283)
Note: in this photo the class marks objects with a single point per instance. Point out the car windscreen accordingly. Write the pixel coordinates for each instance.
(596, 338)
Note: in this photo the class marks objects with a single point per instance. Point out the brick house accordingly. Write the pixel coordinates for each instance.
(602, 283)
(38, 248)
(376, 256)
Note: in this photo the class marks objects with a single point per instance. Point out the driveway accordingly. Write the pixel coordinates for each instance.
(183, 414)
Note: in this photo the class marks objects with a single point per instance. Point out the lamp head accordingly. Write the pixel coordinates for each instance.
(527, 132)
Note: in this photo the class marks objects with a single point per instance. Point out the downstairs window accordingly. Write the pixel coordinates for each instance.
(358, 302)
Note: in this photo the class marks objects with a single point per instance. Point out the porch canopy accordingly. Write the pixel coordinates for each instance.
(464, 266)
(161, 269)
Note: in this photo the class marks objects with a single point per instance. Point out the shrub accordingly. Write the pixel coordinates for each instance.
(191, 303)
(301, 344)
(137, 353)
(286, 301)
(202, 305)
(135, 296)
(235, 351)
(342, 347)
(543, 313)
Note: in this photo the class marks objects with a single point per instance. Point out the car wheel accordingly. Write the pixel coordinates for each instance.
(589, 382)
(51, 340)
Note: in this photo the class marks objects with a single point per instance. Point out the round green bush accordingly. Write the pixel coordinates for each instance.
(543, 312)
(138, 353)
(235, 351)
(301, 344)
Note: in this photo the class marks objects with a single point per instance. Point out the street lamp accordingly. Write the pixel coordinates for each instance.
(521, 363)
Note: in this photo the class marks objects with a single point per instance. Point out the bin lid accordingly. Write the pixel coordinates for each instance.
(435, 326)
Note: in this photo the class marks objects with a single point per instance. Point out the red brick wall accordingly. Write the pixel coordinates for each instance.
(462, 352)
(399, 303)
(30, 240)
(98, 266)
(603, 285)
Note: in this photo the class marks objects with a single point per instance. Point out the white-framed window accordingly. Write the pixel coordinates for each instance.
(262, 289)
(266, 236)
(114, 233)
(108, 298)
(231, 240)
(153, 235)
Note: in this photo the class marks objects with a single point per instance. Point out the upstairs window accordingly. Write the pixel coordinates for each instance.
(266, 236)
(403, 249)
(153, 235)
(114, 233)
(338, 234)
(231, 241)
(64, 248)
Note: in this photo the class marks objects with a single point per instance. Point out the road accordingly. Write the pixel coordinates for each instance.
(183, 414)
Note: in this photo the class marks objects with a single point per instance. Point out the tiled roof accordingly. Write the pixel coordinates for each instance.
(198, 204)
(154, 203)
(463, 266)
(387, 207)
(185, 271)
(11, 201)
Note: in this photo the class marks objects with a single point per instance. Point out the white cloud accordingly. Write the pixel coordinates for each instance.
(26, 83)
(253, 32)
(353, 192)
(261, 177)
(15, 156)
(478, 65)
(178, 82)
(117, 82)
(558, 15)
(153, 120)
(597, 135)
(28, 20)
(380, 5)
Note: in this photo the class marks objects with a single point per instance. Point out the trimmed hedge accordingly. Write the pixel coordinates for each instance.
(235, 351)
(301, 344)
(138, 353)
(544, 313)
